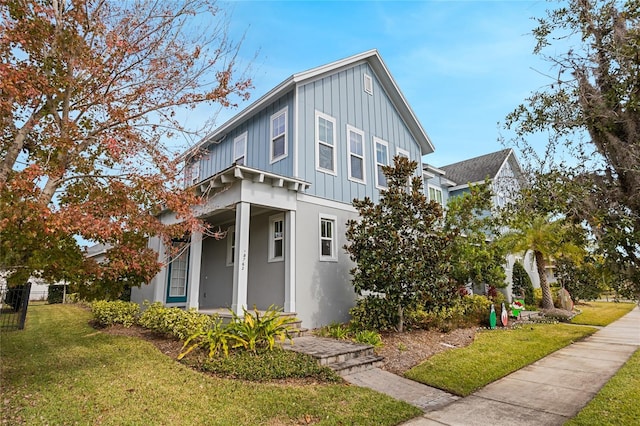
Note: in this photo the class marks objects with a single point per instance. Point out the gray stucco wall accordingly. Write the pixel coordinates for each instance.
(323, 289)
(265, 279)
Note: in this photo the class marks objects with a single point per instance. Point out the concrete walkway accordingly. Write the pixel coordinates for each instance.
(547, 392)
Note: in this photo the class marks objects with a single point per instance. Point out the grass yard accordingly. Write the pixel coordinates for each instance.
(601, 313)
(617, 401)
(494, 354)
(59, 370)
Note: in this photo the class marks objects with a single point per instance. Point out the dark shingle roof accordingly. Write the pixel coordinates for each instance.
(476, 169)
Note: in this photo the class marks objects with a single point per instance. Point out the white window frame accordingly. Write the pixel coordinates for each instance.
(273, 238)
(243, 140)
(435, 189)
(334, 147)
(377, 141)
(351, 129)
(273, 137)
(334, 254)
(403, 153)
(191, 173)
(231, 245)
(367, 83)
(181, 259)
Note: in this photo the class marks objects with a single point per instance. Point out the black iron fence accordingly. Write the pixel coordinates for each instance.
(14, 302)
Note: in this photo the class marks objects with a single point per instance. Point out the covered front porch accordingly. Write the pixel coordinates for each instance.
(247, 258)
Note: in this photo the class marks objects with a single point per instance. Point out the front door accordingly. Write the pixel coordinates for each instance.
(178, 273)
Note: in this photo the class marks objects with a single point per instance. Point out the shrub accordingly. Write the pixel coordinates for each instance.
(522, 285)
(368, 337)
(115, 312)
(537, 297)
(270, 365)
(256, 330)
(334, 330)
(217, 338)
(174, 322)
(476, 310)
(374, 313)
(55, 294)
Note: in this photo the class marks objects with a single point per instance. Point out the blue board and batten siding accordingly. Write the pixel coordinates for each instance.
(342, 97)
(219, 156)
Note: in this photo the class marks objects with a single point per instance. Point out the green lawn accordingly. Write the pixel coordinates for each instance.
(61, 371)
(601, 313)
(494, 354)
(617, 401)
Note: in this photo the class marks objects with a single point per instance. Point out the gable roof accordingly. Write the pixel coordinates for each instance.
(382, 72)
(479, 168)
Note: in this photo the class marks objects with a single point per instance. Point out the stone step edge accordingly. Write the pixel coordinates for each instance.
(356, 364)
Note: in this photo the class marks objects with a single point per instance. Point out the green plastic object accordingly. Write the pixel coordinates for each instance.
(492, 317)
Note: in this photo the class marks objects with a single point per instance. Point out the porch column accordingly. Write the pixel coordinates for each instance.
(160, 280)
(241, 258)
(195, 261)
(290, 262)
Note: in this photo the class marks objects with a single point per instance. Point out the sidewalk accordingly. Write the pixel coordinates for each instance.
(549, 391)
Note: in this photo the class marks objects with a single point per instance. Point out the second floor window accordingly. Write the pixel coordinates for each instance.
(240, 149)
(382, 159)
(356, 154)
(325, 143)
(278, 135)
(435, 194)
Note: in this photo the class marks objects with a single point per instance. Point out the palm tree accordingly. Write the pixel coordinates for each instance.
(545, 237)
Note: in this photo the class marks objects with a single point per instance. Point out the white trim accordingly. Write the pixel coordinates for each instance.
(296, 133)
(467, 185)
(403, 153)
(283, 111)
(323, 202)
(367, 83)
(272, 238)
(195, 264)
(318, 142)
(290, 261)
(351, 129)
(240, 138)
(377, 141)
(231, 245)
(333, 220)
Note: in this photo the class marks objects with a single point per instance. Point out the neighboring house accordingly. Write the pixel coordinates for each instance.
(279, 179)
(504, 173)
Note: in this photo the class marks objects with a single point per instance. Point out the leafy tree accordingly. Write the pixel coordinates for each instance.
(521, 284)
(546, 238)
(90, 92)
(591, 110)
(475, 255)
(584, 280)
(399, 249)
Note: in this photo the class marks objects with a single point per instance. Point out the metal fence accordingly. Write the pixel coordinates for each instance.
(14, 302)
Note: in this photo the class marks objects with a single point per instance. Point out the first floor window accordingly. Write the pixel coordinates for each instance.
(327, 238)
(276, 238)
(178, 268)
(382, 159)
(231, 245)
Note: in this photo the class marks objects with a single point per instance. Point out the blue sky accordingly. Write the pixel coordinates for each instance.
(461, 65)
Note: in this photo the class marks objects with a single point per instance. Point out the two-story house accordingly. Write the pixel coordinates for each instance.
(279, 178)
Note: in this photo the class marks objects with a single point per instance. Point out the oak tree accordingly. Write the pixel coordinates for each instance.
(591, 110)
(90, 96)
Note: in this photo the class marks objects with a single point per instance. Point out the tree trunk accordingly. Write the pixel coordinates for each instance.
(400, 319)
(547, 300)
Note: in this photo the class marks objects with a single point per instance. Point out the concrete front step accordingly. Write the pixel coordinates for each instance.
(356, 365)
(342, 356)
